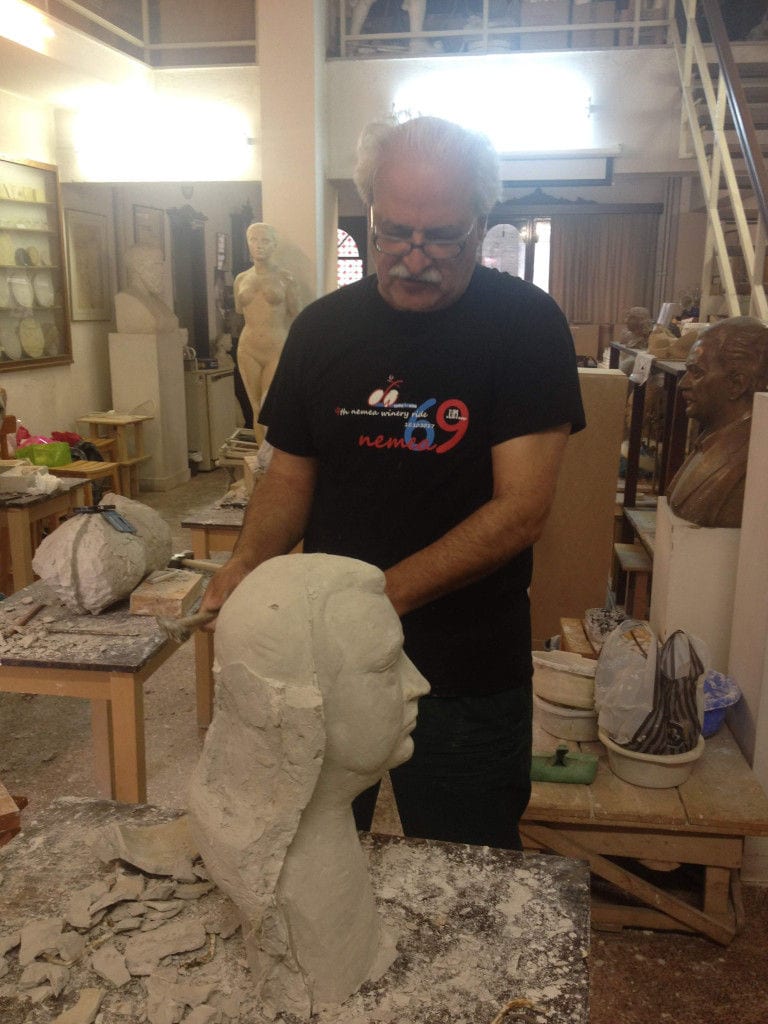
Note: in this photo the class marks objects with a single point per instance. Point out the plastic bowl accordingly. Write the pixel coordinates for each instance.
(651, 771)
(577, 724)
(562, 677)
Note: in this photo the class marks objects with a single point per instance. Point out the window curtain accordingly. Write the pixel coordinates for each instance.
(603, 263)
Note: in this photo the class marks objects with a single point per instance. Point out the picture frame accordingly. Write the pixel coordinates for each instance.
(88, 265)
(149, 227)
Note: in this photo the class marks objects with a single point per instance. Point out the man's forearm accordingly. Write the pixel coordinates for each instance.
(474, 548)
(275, 519)
(525, 473)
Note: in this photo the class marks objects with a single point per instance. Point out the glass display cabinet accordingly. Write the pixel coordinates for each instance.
(34, 314)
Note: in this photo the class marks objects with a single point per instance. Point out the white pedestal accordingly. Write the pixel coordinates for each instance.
(694, 579)
(148, 376)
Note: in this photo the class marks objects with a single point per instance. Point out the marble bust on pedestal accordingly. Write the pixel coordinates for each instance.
(140, 309)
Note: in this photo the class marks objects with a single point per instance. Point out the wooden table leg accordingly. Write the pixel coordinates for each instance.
(204, 677)
(200, 545)
(103, 755)
(20, 543)
(127, 734)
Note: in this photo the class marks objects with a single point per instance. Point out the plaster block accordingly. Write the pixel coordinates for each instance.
(694, 580)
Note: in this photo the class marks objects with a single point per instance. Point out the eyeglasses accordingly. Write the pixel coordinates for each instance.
(437, 249)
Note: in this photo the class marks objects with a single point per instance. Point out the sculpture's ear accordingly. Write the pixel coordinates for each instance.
(737, 385)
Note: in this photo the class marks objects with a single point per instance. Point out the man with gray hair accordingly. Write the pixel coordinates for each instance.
(419, 418)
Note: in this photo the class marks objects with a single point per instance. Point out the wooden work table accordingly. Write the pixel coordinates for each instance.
(482, 935)
(22, 516)
(103, 658)
(702, 822)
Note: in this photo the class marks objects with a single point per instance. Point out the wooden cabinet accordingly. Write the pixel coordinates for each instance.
(34, 317)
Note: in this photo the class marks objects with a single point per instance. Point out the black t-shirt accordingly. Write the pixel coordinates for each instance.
(401, 410)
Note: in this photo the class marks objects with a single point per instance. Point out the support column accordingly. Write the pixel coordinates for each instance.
(296, 199)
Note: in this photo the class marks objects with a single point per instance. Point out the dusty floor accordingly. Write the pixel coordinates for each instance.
(637, 977)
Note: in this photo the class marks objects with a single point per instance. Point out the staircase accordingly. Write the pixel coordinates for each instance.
(725, 125)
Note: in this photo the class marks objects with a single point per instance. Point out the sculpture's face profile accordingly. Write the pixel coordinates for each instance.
(705, 385)
(420, 202)
(262, 242)
(370, 705)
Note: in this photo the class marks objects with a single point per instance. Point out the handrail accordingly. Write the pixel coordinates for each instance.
(743, 122)
(726, 94)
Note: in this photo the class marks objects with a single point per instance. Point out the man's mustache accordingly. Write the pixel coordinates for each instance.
(431, 275)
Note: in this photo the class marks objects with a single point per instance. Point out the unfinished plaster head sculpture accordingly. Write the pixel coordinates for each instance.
(140, 309)
(267, 298)
(725, 367)
(315, 700)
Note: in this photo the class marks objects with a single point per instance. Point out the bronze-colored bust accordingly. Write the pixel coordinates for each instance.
(725, 367)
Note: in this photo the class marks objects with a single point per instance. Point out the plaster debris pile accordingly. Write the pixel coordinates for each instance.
(123, 942)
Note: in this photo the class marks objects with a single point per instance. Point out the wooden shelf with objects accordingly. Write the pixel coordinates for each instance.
(34, 314)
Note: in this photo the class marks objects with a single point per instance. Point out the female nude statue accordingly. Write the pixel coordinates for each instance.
(266, 296)
(315, 700)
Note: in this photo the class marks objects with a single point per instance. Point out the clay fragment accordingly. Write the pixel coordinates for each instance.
(202, 1015)
(127, 910)
(35, 974)
(126, 887)
(154, 849)
(41, 936)
(85, 1009)
(144, 951)
(71, 947)
(4, 968)
(158, 889)
(9, 941)
(194, 891)
(128, 924)
(78, 913)
(109, 964)
(39, 994)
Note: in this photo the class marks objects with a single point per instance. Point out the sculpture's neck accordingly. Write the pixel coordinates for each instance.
(326, 897)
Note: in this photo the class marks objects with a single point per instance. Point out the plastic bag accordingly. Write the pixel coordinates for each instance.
(54, 453)
(674, 723)
(625, 679)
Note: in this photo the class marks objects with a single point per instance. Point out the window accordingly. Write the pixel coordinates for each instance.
(350, 265)
(520, 248)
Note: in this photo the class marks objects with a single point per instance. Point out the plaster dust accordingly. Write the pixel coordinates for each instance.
(460, 956)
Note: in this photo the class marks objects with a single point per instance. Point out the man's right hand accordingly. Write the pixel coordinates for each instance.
(221, 586)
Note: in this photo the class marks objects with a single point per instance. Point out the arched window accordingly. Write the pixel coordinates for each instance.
(350, 265)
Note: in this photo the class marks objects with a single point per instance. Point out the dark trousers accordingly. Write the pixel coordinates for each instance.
(469, 778)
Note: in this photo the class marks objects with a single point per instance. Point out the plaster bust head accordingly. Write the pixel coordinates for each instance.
(262, 241)
(145, 268)
(725, 367)
(638, 321)
(315, 699)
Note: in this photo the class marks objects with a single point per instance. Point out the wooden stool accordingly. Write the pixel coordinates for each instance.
(106, 445)
(127, 433)
(631, 578)
(90, 471)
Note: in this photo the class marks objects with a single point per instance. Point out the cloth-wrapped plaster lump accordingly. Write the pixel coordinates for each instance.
(89, 564)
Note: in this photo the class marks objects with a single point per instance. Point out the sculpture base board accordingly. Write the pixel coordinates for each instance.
(477, 927)
(694, 581)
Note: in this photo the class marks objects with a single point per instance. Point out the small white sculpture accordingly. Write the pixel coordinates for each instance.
(266, 297)
(315, 700)
(140, 309)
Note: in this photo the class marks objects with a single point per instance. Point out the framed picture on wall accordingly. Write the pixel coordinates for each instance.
(88, 265)
(149, 227)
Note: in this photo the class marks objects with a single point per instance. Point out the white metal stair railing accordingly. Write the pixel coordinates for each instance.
(726, 95)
